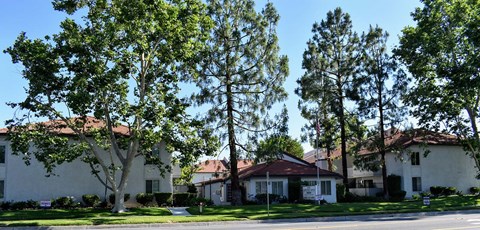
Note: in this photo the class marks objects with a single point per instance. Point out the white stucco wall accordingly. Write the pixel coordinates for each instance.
(443, 166)
(329, 198)
(24, 182)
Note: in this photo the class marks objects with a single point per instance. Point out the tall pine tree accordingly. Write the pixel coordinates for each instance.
(334, 50)
(241, 76)
(377, 100)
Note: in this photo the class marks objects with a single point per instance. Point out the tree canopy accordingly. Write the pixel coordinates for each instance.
(442, 54)
(241, 76)
(119, 66)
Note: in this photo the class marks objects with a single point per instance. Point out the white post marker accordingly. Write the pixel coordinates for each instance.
(268, 196)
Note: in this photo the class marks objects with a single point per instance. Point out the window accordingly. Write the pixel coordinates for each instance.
(310, 183)
(2, 154)
(260, 187)
(2, 184)
(152, 186)
(415, 157)
(416, 184)
(277, 188)
(326, 187)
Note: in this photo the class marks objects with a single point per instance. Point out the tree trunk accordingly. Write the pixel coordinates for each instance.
(119, 206)
(382, 146)
(343, 136)
(235, 186)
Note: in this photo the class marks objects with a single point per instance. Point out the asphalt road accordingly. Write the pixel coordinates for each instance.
(431, 221)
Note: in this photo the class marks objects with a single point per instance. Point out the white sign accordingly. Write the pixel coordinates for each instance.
(45, 204)
(309, 192)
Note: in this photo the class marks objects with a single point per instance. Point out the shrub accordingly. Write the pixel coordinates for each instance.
(262, 198)
(341, 192)
(163, 198)
(111, 198)
(192, 188)
(394, 183)
(416, 197)
(474, 190)
(19, 205)
(64, 202)
(144, 198)
(183, 199)
(197, 200)
(436, 190)
(32, 204)
(6, 205)
(398, 196)
(91, 200)
(425, 194)
(449, 191)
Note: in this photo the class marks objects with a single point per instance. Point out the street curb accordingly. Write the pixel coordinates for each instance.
(220, 223)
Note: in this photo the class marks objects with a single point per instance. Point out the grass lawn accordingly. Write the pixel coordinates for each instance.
(224, 213)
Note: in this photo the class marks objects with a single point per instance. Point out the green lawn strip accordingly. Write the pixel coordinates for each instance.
(87, 216)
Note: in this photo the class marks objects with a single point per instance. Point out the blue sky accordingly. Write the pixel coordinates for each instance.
(38, 19)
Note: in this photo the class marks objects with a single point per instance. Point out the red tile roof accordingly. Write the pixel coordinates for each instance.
(212, 166)
(59, 126)
(396, 139)
(284, 168)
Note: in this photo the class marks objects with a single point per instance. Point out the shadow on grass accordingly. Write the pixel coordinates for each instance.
(100, 221)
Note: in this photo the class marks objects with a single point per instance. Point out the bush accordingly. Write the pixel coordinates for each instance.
(398, 196)
(163, 198)
(425, 194)
(437, 190)
(91, 200)
(416, 197)
(394, 184)
(341, 192)
(192, 188)
(111, 198)
(20, 205)
(262, 198)
(183, 199)
(144, 198)
(449, 191)
(6, 205)
(64, 202)
(32, 204)
(197, 200)
(474, 190)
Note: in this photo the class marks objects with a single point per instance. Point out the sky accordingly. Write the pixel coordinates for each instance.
(37, 18)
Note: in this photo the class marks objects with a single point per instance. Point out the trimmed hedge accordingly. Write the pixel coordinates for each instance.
(163, 198)
(474, 190)
(262, 198)
(441, 190)
(183, 199)
(111, 198)
(144, 198)
(65, 202)
(91, 200)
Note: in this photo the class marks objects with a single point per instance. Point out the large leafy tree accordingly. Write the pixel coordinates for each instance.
(272, 147)
(118, 65)
(241, 76)
(378, 98)
(443, 54)
(330, 62)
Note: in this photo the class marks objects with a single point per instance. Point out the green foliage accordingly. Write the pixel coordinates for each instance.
(441, 53)
(341, 192)
(65, 202)
(111, 198)
(192, 188)
(240, 76)
(394, 183)
(144, 199)
(474, 190)
(121, 66)
(91, 200)
(271, 148)
(273, 198)
(443, 191)
(330, 62)
(183, 199)
(397, 196)
(165, 198)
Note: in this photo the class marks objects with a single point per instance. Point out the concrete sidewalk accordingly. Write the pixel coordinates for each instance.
(179, 211)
